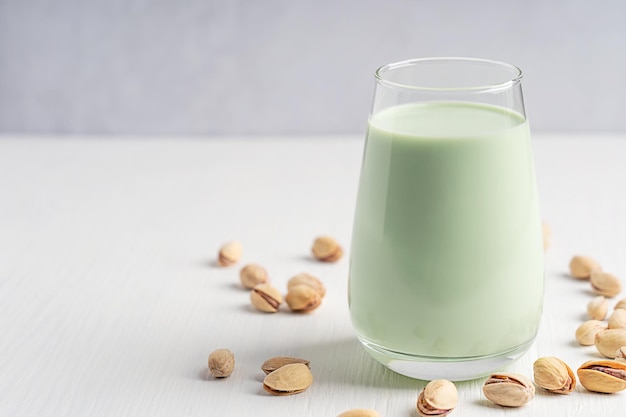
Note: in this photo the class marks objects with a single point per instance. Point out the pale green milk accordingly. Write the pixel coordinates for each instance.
(447, 256)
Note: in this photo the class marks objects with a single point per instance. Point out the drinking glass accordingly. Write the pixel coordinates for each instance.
(446, 269)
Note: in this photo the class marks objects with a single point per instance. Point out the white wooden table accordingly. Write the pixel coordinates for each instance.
(110, 300)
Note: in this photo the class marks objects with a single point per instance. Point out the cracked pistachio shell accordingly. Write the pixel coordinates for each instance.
(620, 354)
(554, 375)
(252, 275)
(221, 363)
(289, 379)
(581, 266)
(621, 304)
(307, 279)
(586, 332)
(266, 298)
(438, 398)
(326, 249)
(273, 364)
(617, 320)
(598, 307)
(605, 284)
(229, 254)
(359, 412)
(509, 390)
(606, 376)
(608, 341)
(303, 299)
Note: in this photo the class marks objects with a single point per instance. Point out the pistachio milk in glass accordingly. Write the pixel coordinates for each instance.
(446, 269)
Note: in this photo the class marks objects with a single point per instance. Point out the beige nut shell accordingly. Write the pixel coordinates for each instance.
(229, 254)
(307, 279)
(439, 397)
(598, 307)
(289, 379)
(621, 304)
(266, 298)
(617, 320)
(581, 266)
(221, 363)
(274, 363)
(508, 389)
(608, 341)
(303, 299)
(605, 284)
(252, 275)
(586, 332)
(592, 378)
(554, 375)
(326, 249)
(360, 412)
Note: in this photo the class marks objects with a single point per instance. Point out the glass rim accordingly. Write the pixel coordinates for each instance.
(515, 71)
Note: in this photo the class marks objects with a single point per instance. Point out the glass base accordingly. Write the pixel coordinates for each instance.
(454, 369)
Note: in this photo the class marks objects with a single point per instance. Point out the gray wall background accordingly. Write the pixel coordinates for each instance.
(289, 66)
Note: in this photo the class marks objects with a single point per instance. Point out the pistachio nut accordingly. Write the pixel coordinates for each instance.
(359, 412)
(221, 363)
(438, 398)
(620, 354)
(617, 320)
(303, 299)
(554, 375)
(586, 332)
(621, 304)
(509, 390)
(289, 379)
(252, 275)
(326, 249)
(606, 376)
(581, 266)
(547, 236)
(608, 341)
(229, 254)
(273, 364)
(598, 307)
(605, 284)
(307, 279)
(266, 298)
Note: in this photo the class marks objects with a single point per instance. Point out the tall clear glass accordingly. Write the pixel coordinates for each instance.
(446, 269)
